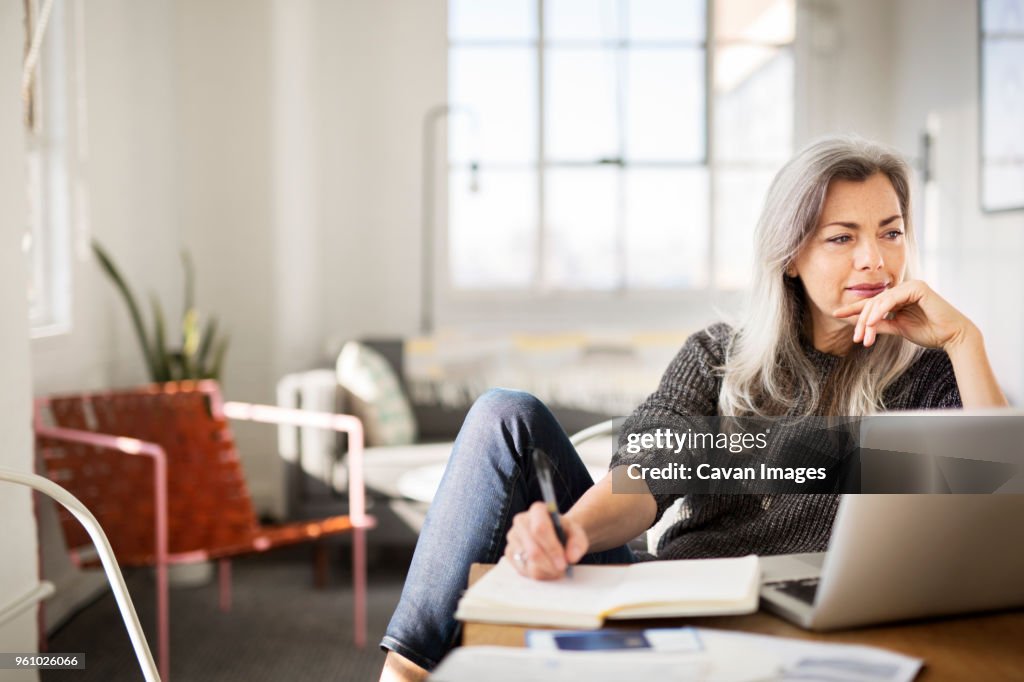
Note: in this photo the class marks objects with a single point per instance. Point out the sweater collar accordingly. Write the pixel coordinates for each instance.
(819, 358)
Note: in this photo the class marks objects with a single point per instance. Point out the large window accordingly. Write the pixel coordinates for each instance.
(621, 145)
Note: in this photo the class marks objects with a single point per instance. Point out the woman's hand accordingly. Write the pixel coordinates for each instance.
(533, 548)
(911, 310)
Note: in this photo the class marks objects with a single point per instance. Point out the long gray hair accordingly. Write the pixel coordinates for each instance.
(766, 371)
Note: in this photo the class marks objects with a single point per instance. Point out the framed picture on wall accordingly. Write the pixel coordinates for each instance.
(1002, 105)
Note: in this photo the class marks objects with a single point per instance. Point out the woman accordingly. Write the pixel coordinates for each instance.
(837, 326)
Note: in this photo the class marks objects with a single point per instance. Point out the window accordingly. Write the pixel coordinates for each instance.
(1002, 105)
(52, 160)
(618, 148)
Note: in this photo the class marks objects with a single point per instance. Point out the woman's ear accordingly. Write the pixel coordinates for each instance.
(790, 271)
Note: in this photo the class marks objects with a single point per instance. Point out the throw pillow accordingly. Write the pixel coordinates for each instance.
(373, 394)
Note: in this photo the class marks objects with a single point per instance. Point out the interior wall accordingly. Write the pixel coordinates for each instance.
(131, 175)
(978, 255)
(223, 102)
(382, 68)
(844, 57)
(19, 567)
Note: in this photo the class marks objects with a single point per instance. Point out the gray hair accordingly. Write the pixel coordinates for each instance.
(766, 372)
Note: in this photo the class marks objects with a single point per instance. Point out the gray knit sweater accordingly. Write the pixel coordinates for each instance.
(734, 525)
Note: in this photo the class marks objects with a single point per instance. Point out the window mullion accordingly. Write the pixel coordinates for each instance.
(541, 278)
(709, 129)
(621, 56)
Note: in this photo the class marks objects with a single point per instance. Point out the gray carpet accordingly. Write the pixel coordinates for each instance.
(280, 627)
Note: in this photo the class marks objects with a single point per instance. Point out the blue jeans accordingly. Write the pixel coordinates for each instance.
(488, 480)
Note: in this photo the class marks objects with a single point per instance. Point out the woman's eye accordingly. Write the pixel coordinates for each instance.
(894, 234)
(841, 239)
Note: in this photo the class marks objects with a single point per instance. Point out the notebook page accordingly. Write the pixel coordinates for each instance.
(687, 580)
(587, 591)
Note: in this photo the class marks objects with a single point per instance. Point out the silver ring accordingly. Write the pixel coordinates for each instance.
(520, 559)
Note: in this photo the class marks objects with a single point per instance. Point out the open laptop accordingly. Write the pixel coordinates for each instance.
(895, 557)
(900, 556)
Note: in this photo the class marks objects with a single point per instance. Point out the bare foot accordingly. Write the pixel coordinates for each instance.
(398, 668)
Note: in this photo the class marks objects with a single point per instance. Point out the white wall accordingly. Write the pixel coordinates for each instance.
(299, 131)
(844, 54)
(131, 174)
(382, 68)
(222, 57)
(935, 71)
(18, 563)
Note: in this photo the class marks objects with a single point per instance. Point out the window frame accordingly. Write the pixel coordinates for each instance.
(541, 305)
(53, 159)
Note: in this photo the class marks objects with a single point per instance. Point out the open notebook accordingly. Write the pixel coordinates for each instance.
(650, 589)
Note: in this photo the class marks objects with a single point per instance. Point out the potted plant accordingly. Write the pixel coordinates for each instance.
(201, 354)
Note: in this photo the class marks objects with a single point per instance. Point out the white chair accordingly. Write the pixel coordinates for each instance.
(106, 554)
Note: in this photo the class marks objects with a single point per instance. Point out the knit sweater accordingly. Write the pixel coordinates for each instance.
(719, 525)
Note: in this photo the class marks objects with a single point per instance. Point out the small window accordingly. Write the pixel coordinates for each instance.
(52, 159)
(1002, 105)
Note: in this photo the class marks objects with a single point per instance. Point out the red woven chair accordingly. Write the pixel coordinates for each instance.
(158, 468)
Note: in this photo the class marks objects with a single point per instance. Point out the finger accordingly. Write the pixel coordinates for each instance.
(865, 315)
(849, 310)
(880, 309)
(885, 327)
(520, 539)
(543, 531)
(514, 545)
(858, 329)
(538, 563)
(883, 303)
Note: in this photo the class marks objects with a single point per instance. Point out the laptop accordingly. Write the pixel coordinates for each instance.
(898, 557)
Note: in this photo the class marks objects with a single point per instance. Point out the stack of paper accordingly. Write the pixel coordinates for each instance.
(718, 656)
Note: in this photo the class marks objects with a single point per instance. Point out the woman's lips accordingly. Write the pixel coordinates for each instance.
(866, 291)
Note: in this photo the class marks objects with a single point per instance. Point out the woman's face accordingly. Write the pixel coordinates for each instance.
(857, 251)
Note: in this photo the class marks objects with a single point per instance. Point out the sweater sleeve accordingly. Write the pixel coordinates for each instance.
(935, 387)
(689, 388)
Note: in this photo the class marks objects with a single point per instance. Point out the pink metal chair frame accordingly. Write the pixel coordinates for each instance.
(358, 520)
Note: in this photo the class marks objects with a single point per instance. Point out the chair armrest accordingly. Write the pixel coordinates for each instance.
(110, 567)
(605, 428)
(342, 423)
(127, 446)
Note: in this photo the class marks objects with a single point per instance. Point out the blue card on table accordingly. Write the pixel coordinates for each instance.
(677, 640)
(600, 640)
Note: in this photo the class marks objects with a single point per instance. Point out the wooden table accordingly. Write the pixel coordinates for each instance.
(980, 647)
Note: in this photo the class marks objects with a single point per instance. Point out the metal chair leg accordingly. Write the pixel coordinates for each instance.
(224, 584)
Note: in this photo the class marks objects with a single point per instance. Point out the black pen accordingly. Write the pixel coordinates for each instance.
(547, 489)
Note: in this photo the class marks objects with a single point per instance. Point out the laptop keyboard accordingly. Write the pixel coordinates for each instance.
(804, 590)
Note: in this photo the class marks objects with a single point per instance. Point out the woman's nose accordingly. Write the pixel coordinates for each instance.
(868, 256)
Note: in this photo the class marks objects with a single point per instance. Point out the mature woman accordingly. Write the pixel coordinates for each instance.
(837, 325)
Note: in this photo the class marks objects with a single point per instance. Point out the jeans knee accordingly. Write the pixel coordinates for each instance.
(503, 405)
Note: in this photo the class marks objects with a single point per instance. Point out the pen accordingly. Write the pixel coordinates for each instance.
(547, 489)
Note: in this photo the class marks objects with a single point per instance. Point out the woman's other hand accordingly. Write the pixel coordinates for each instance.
(911, 310)
(533, 548)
